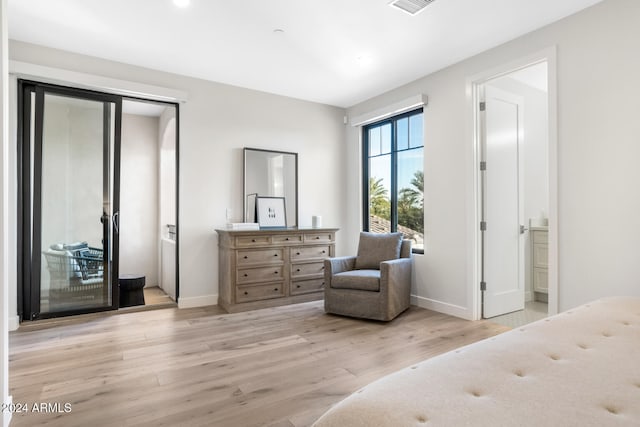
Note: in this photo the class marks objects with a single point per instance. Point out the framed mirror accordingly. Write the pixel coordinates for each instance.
(270, 174)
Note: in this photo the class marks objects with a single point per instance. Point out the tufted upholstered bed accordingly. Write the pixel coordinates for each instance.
(578, 368)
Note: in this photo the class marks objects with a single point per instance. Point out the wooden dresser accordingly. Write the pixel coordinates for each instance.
(267, 268)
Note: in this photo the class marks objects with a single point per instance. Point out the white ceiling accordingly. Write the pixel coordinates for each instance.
(338, 52)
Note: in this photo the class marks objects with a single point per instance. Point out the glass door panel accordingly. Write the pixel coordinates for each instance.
(73, 217)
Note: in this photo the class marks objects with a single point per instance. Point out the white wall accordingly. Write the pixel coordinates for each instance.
(216, 122)
(598, 148)
(139, 229)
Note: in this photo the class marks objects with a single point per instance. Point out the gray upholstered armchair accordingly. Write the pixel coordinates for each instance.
(376, 284)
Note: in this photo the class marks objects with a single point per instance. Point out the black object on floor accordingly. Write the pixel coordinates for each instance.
(131, 289)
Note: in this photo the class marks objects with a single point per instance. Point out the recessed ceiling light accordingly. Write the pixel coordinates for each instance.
(182, 3)
(278, 31)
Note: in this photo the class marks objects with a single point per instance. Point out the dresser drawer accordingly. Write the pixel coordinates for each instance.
(307, 269)
(318, 237)
(248, 241)
(259, 256)
(259, 274)
(309, 252)
(283, 240)
(259, 292)
(306, 286)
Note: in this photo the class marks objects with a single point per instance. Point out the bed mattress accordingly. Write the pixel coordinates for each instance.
(578, 368)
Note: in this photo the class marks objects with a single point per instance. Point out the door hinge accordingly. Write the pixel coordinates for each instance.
(483, 286)
(483, 166)
(483, 225)
(483, 106)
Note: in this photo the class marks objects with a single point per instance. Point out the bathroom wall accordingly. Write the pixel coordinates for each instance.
(167, 168)
(167, 198)
(139, 197)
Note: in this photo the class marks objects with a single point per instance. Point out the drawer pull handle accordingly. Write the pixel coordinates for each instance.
(317, 237)
(297, 253)
(246, 275)
(246, 293)
(253, 240)
(275, 254)
(275, 290)
(297, 270)
(298, 286)
(246, 257)
(287, 239)
(322, 268)
(324, 252)
(275, 272)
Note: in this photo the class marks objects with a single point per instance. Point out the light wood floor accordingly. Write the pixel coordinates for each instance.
(155, 296)
(199, 367)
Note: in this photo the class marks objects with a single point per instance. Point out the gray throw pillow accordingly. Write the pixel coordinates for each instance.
(375, 248)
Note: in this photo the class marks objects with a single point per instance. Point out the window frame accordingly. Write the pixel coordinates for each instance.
(393, 120)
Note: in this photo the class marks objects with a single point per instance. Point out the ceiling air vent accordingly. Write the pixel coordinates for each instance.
(412, 7)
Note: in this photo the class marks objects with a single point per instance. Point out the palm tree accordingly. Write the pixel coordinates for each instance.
(379, 198)
(411, 204)
(418, 181)
(417, 192)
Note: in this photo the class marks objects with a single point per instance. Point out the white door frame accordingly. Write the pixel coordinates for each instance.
(474, 86)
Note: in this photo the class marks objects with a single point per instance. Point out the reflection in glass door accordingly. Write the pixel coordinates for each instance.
(73, 156)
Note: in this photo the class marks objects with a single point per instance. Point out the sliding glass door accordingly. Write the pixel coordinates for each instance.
(70, 168)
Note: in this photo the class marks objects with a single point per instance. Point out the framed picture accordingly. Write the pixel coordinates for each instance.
(271, 212)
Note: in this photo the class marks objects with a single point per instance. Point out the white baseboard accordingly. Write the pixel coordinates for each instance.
(14, 323)
(203, 301)
(442, 307)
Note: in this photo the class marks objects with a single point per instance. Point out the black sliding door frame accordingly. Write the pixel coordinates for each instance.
(29, 194)
(30, 127)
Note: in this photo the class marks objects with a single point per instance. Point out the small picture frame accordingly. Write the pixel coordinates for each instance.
(271, 212)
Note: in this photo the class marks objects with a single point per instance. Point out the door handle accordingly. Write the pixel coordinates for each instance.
(114, 221)
(523, 229)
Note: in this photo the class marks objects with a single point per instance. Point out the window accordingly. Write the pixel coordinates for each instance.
(393, 178)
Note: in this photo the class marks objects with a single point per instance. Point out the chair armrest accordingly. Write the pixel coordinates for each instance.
(396, 274)
(339, 264)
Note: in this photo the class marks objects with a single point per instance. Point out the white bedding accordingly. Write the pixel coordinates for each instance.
(578, 368)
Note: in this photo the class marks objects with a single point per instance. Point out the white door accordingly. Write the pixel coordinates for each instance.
(503, 208)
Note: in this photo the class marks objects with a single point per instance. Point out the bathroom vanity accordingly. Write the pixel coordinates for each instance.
(540, 262)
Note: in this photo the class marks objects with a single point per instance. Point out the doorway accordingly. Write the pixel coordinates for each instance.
(148, 194)
(513, 137)
(82, 152)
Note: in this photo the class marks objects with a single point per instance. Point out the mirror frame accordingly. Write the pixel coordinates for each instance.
(244, 183)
